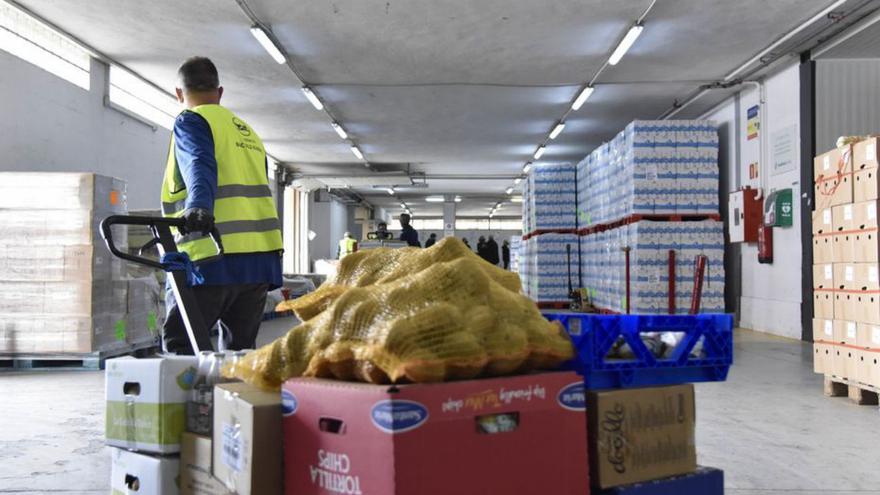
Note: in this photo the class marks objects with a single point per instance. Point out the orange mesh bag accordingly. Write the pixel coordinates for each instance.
(425, 316)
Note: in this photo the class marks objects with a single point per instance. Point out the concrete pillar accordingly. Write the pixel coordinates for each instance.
(449, 217)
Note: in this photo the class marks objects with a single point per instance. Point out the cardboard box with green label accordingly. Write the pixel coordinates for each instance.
(146, 402)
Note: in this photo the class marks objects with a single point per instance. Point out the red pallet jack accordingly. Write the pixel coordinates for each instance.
(700, 262)
(175, 263)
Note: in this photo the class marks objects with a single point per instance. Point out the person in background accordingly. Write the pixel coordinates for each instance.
(481, 247)
(466, 243)
(216, 175)
(492, 251)
(505, 254)
(347, 245)
(381, 232)
(407, 233)
(432, 239)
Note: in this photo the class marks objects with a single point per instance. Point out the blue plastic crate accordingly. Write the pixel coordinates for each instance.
(594, 336)
(705, 481)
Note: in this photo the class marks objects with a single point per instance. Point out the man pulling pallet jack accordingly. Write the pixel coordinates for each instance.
(216, 195)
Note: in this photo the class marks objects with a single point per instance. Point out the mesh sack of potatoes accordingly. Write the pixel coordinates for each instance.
(412, 315)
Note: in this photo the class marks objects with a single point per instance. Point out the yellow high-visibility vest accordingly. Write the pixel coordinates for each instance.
(346, 246)
(244, 211)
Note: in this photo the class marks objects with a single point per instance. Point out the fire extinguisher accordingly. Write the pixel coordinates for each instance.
(765, 244)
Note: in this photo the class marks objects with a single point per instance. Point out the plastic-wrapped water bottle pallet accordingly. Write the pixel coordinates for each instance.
(705, 481)
(594, 336)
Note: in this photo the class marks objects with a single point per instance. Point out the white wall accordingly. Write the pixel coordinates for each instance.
(51, 125)
(771, 293)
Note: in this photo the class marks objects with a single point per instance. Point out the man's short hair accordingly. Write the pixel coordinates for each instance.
(198, 74)
(406, 216)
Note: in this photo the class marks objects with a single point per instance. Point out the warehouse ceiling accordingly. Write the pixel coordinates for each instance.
(461, 90)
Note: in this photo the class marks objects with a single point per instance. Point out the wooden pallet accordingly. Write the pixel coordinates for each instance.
(858, 393)
(92, 361)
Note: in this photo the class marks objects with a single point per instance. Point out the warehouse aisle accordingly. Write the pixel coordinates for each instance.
(773, 432)
(51, 438)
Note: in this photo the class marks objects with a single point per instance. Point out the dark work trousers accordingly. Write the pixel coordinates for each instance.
(240, 307)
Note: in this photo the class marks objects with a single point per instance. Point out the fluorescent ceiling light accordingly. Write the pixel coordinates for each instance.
(557, 130)
(540, 152)
(509, 190)
(339, 130)
(527, 167)
(581, 98)
(390, 191)
(434, 199)
(631, 36)
(313, 98)
(357, 152)
(516, 199)
(458, 199)
(517, 181)
(268, 45)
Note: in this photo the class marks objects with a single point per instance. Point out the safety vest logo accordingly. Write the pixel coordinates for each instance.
(243, 129)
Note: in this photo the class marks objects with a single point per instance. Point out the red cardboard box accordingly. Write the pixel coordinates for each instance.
(520, 434)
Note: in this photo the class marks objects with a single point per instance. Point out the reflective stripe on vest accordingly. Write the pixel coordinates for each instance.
(244, 210)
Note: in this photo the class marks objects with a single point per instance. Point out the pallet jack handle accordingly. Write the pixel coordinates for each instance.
(164, 240)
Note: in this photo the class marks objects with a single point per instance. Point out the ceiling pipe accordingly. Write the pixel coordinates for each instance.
(853, 30)
(730, 81)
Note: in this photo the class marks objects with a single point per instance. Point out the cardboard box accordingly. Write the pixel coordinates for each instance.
(863, 368)
(866, 246)
(819, 358)
(823, 330)
(248, 456)
(866, 307)
(865, 154)
(872, 360)
(195, 467)
(865, 185)
(641, 434)
(146, 402)
(844, 305)
(843, 217)
(844, 247)
(850, 362)
(844, 276)
(867, 276)
(823, 276)
(865, 215)
(133, 472)
(833, 163)
(839, 331)
(518, 434)
(823, 304)
(823, 248)
(838, 361)
(823, 221)
(847, 333)
(833, 191)
(868, 336)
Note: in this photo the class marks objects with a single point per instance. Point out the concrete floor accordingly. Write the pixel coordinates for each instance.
(769, 427)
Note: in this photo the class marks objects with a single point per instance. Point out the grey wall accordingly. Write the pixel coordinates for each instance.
(329, 221)
(51, 125)
(847, 99)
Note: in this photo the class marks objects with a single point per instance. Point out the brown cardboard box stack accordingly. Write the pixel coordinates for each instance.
(846, 284)
(61, 291)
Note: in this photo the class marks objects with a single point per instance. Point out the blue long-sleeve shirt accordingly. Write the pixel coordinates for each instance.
(194, 150)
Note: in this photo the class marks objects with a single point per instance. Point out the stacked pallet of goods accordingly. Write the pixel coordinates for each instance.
(549, 225)
(62, 295)
(652, 191)
(846, 283)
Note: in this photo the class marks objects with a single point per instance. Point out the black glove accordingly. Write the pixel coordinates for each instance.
(197, 220)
